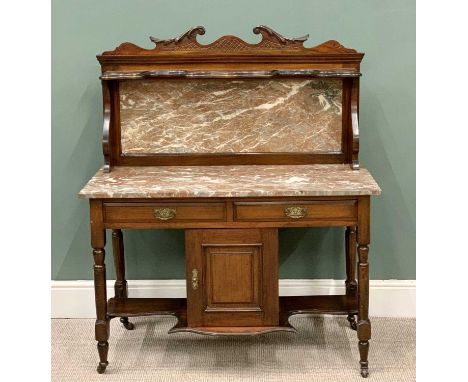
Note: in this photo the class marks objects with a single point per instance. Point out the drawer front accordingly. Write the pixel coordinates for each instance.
(164, 212)
(295, 211)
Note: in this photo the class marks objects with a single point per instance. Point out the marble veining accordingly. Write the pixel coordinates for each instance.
(231, 181)
(237, 115)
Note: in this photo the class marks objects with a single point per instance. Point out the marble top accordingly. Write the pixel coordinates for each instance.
(230, 181)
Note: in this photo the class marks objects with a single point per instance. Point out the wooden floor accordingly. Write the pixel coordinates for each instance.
(323, 349)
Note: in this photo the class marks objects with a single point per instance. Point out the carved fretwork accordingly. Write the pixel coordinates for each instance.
(271, 41)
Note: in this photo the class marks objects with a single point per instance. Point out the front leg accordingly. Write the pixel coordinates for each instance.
(363, 324)
(102, 321)
(98, 242)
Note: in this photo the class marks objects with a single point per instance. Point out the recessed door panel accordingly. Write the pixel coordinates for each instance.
(232, 277)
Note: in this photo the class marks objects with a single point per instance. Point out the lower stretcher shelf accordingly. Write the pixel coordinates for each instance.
(130, 307)
(290, 305)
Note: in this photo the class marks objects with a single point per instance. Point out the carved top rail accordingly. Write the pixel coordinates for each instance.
(272, 45)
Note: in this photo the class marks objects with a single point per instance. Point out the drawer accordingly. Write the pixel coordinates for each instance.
(295, 211)
(164, 212)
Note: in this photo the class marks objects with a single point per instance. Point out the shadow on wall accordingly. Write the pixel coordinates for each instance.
(392, 247)
(74, 162)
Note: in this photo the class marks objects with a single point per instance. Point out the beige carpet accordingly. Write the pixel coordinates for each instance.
(324, 349)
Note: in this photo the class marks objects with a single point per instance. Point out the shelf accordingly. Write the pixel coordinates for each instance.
(130, 307)
(291, 305)
(332, 304)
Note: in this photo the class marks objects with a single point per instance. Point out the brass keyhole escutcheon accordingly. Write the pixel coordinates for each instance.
(195, 279)
(295, 212)
(164, 213)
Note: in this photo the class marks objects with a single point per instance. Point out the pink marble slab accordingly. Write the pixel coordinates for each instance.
(236, 115)
(230, 181)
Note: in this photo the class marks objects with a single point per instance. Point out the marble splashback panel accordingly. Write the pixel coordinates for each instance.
(224, 116)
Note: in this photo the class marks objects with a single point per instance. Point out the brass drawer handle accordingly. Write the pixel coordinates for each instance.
(164, 213)
(295, 212)
(195, 279)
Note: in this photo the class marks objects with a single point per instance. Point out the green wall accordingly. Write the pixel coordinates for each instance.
(384, 30)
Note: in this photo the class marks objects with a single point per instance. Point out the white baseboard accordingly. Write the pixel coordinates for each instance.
(388, 298)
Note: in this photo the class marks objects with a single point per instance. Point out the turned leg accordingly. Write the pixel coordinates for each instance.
(120, 286)
(363, 324)
(351, 283)
(102, 321)
(98, 242)
(103, 349)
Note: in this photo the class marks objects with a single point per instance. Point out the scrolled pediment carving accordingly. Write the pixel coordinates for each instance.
(271, 41)
(186, 39)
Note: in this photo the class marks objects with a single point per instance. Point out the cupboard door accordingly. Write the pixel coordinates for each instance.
(232, 277)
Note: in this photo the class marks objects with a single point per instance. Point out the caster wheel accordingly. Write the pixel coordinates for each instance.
(364, 373)
(127, 324)
(352, 321)
(102, 367)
